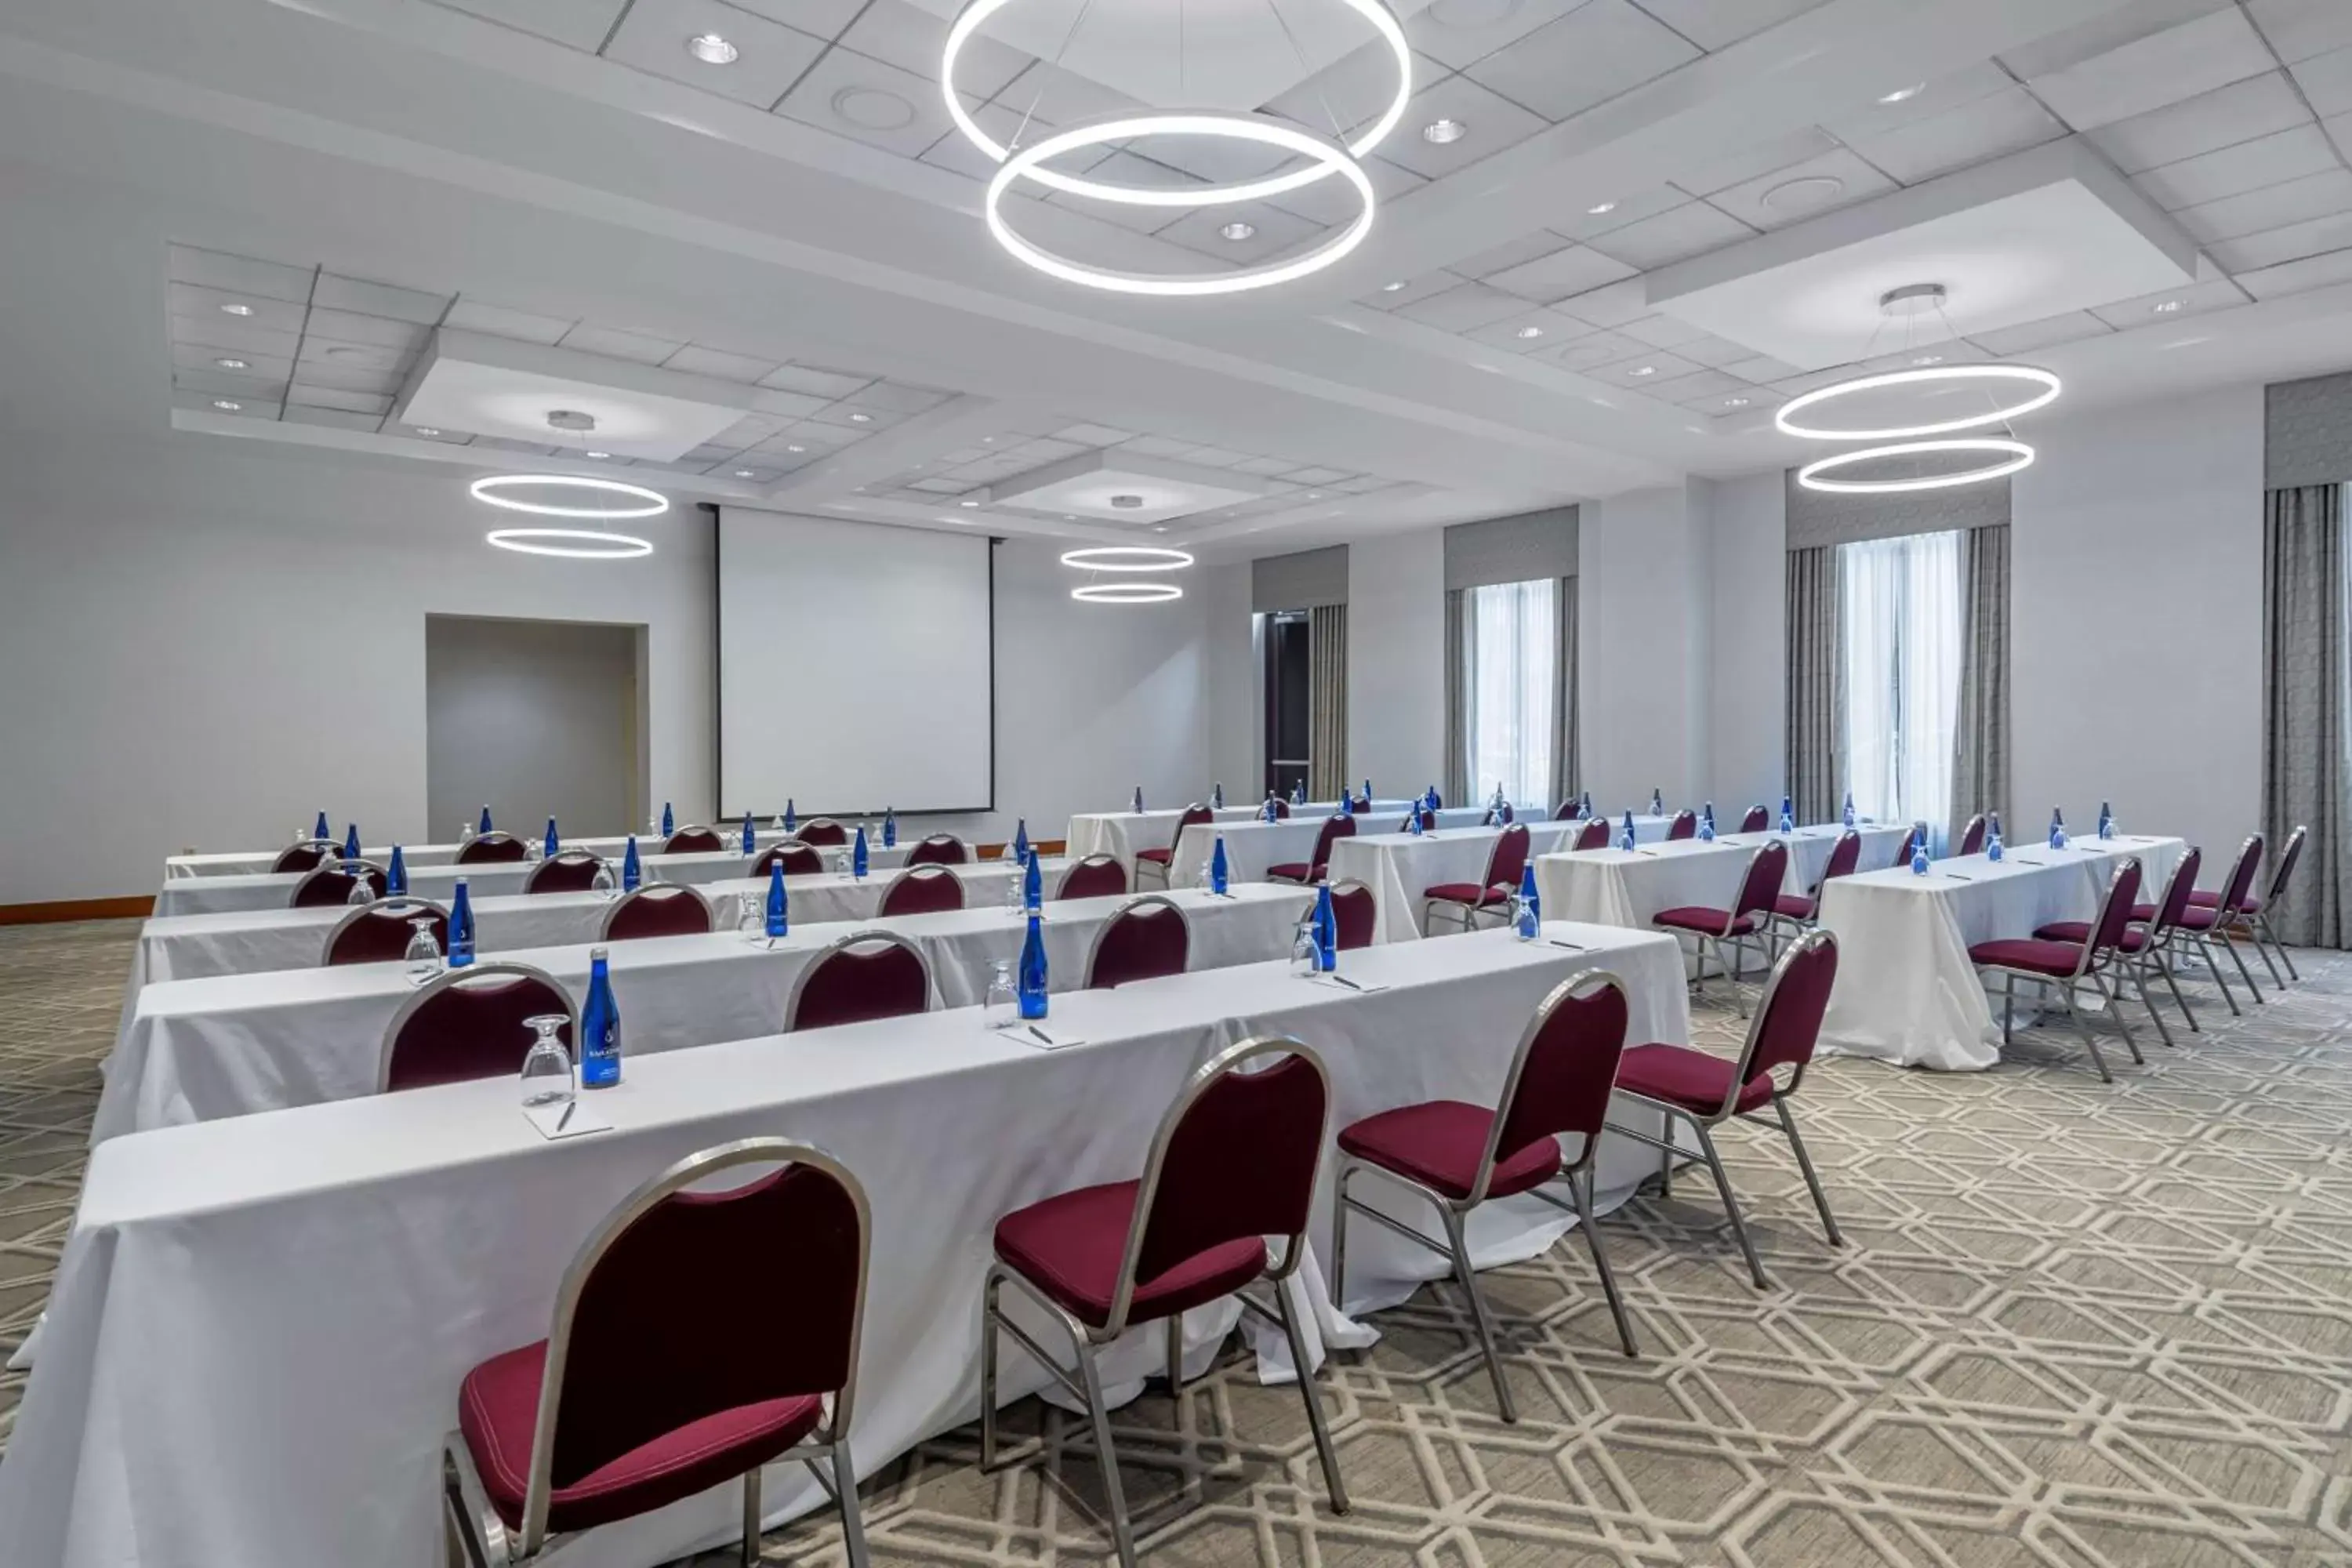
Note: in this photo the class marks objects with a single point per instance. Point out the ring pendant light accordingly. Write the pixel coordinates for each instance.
(1128, 558)
(2011, 456)
(1127, 592)
(572, 544)
(493, 489)
(2045, 384)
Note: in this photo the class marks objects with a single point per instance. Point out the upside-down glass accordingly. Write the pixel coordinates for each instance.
(424, 956)
(546, 1069)
(1000, 1004)
(1303, 950)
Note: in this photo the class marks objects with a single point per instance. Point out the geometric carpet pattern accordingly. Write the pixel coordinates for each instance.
(2074, 1325)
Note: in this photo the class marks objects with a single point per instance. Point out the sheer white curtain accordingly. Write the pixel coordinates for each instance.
(1901, 610)
(1512, 650)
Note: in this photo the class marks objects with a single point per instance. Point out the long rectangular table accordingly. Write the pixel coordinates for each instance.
(249, 862)
(197, 1050)
(1399, 867)
(1627, 888)
(1906, 992)
(259, 1327)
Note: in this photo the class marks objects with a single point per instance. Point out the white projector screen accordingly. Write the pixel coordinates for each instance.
(856, 667)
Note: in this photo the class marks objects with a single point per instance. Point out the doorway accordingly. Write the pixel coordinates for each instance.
(538, 718)
(1286, 676)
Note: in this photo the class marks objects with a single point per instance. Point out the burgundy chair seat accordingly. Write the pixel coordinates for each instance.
(2202, 900)
(497, 1407)
(1095, 876)
(2074, 934)
(1070, 1247)
(2036, 955)
(1160, 857)
(2200, 917)
(1467, 893)
(1296, 871)
(1699, 918)
(571, 871)
(1439, 1144)
(1796, 906)
(1692, 1080)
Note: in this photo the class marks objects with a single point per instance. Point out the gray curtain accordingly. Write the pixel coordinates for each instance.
(1980, 738)
(1327, 702)
(1458, 699)
(1563, 696)
(1816, 677)
(2304, 679)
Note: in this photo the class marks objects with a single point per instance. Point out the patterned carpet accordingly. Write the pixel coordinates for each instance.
(2074, 1325)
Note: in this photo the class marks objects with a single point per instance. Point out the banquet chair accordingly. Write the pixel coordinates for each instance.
(1684, 826)
(1161, 860)
(1355, 910)
(1757, 819)
(1233, 1163)
(303, 856)
(823, 831)
(1704, 1092)
(1464, 902)
(1281, 809)
(1428, 820)
(2062, 966)
(1911, 840)
(657, 908)
(1593, 835)
(468, 1023)
(921, 890)
(1455, 1156)
(2251, 913)
(2146, 941)
(867, 973)
(1726, 932)
(1972, 837)
(1795, 914)
(632, 1403)
(493, 848)
(379, 933)
(2205, 924)
(331, 884)
(1093, 877)
(797, 859)
(1143, 939)
(568, 871)
(696, 840)
(1355, 804)
(940, 850)
(1565, 810)
(1318, 865)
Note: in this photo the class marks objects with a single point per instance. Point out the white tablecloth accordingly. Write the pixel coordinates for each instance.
(1906, 992)
(259, 1327)
(1124, 833)
(194, 1050)
(247, 862)
(1399, 867)
(1617, 886)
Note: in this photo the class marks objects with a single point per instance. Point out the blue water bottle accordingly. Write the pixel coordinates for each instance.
(1327, 930)
(631, 873)
(889, 827)
(1412, 819)
(1137, 806)
(857, 854)
(1217, 796)
(1584, 806)
(777, 911)
(1368, 795)
(1993, 837)
(1033, 885)
(2107, 821)
(461, 927)
(484, 825)
(1531, 918)
(351, 842)
(669, 820)
(1849, 808)
(1625, 839)
(1298, 794)
(600, 1028)
(1032, 992)
(319, 830)
(1020, 838)
(792, 817)
(396, 876)
(1658, 803)
(554, 845)
(1217, 867)
(1706, 823)
(1787, 815)
(2057, 829)
(750, 837)
(1919, 849)
(1266, 812)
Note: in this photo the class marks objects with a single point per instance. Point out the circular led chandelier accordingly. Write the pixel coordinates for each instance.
(1127, 592)
(1127, 558)
(1325, 156)
(2010, 390)
(572, 544)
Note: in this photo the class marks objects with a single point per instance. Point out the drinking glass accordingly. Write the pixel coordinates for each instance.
(1000, 1004)
(423, 957)
(601, 883)
(753, 920)
(362, 893)
(546, 1069)
(1012, 894)
(1303, 950)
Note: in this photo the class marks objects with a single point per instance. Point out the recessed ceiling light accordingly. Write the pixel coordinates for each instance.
(1238, 230)
(2167, 307)
(861, 419)
(712, 50)
(747, 473)
(428, 430)
(1392, 288)
(1903, 93)
(797, 448)
(1530, 332)
(967, 503)
(1443, 132)
(1928, 359)
(1603, 207)
(238, 309)
(233, 364)
(1735, 402)
(1314, 495)
(596, 453)
(1645, 370)
(227, 404)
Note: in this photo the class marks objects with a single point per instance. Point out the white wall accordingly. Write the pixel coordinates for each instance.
(1237, 695)
(1396, 666)
(1749, 688)
(535, 715)
(1645, 598)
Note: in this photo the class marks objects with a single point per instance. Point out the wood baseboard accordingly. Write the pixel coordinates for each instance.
(138, 906)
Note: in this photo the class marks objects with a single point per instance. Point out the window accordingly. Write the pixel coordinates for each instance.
(1511, 727)
(1901, 632)
(1283, 635)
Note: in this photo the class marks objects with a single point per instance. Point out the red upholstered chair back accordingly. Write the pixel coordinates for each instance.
(1972, 837)
(572, 871)
(1281, 809)
(1095, 876)
(1756, 819)
(469, 1023)
(2241, 873)
(301, 857)
(693, 841)
(2114, 915)
(627, 1365)
(2285, 870)
(1428, 820)
(1767, 868)
(331, 884)
(1235, 1157)
(1565, 1066)
(1788, 1022)
(1338, 825)
(823, 830)
(1357, 910)
(1194, 816)
(1565, 810)
(1144, 941)
(938, 849)
(799, 861)
(864, 975)
(1844, 856)
(2176, 890)
(1509, 858)
(1351, 804)
(379, 933)
(1593, 835)
(1911, 840)
(923, 890)
(493, 849)
(1684, 826)
(657, 909)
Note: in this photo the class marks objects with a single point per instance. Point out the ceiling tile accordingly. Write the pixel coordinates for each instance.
(614, 343)
(1593, 352)
(1600, 218)
(2326, 81)
(653, 36)
(580, 24)
(1274, 232)
(329, 353)
(2164, 67)
(2116, 27)
(1123, 168)
(228, 384)
(1150, 445)
(2273, 207)
(1740, 400)
(1214, 457)
(1059, 97)
(227, 334)
(2041, 334)
(349, 378)
(1639, 371)
(1464, 307)
(475, 317)
(2197, 300)
(2002, 122)
(240, 274)
(912, 39)
(1662, 331)
(2291, 243)
(1926, 101)
(2233, 171)
(1087, 435)
(870, 102)
(321, 396)
(2258, 106)
(362, 298)
(1323, 477)
(379, 331)
(1009, 128)
(1331, 201)
(1599, 49)
(2299, 29)
(1351, 90)
(1804, 190)
(1493, 123)
(1527, 248)
(204, 357)
(1760, 368)
(720, 366)
(332, 418)
(1458, 32)
(896, 396)
(1551, 329)
(1713, 24)
(866, 421)
(1611, 305)
(786, 404)
(1689, 230)
(2298, 276)
(252, 309)
(1756, 158)
(1715, 353)
(1571, 269)
(249, 407)
(1699, 384)
(820, 18)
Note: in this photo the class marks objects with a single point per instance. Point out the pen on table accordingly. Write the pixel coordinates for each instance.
(1042, 1038)
(1343, 980)
(564, 1121)
(1572, 946)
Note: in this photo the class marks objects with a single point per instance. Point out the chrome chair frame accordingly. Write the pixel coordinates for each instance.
(1321, 846)
(928, 871)
(828, 823)
(448, 978)
(561, 857)
(1167, 869)
(351, 917)
(842, 944)
(664, 890)
(2093, 965)
(964, 855)
(668, 839)
(1788, 928)
(1466, 915)
(495, 836)
(333, 868)
(2257, 926)
(1139, 901)
(1085, 1341)
(1704, 1124)
(1454, 1213)
(1061, 888)
(2156, 938)
(465, 1503)
(324, 847)
(1729, 940)
(2218, 933)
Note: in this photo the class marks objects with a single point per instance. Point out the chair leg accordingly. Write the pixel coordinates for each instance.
(2255, 936)
(1332, 1484)
(1667, 1160)
(2007, 1006)
(1478, 1312)
(1175, 1333)
(2262, 922)
(988, 1336)
(2240, 960)
(2115, 998)
(1805, 1164)
(751, 1516)
(844, 1490)
(2073, 1016)
(1340, 1235)
(2139, 979)
(1122, 1534)
(1581, 1191)
(2164, 967)
(1731, 1207)
(2205, 946)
